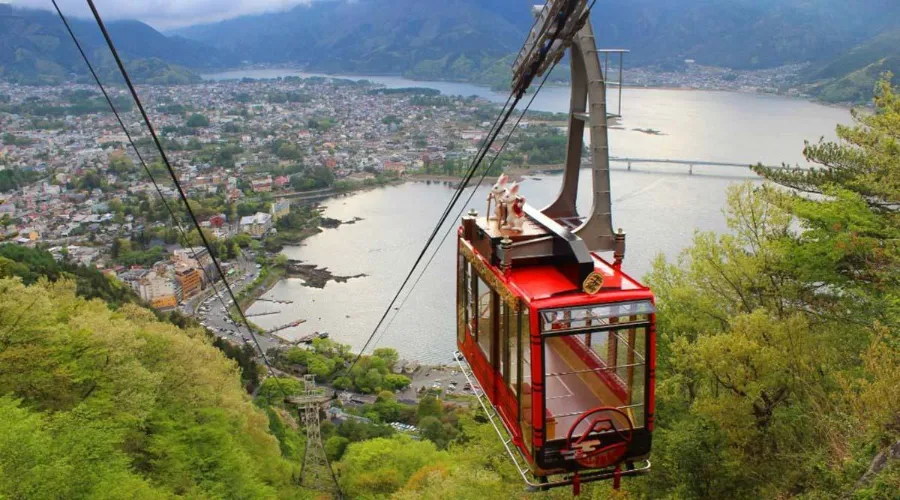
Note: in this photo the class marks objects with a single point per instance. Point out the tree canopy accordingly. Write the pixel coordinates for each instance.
(97, 403)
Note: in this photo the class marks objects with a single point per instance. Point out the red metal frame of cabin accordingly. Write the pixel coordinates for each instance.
(491, 379)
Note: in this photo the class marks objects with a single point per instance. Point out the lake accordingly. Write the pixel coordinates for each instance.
(659, 207)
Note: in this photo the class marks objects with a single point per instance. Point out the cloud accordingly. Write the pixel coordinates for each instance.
(166, 14)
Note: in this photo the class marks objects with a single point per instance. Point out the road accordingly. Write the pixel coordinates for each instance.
(214, 316)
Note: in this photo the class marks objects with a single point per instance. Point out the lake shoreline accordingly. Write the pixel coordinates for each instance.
(218, 76)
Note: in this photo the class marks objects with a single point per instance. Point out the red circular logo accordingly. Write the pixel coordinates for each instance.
(603, 442)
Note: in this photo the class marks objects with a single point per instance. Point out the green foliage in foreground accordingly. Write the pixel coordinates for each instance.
(779, 356)
(103, 404)
(31, 265)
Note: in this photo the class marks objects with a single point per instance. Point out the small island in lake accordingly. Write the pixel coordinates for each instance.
(649, 131)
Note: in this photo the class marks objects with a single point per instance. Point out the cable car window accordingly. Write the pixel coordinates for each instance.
(462, 298)
(505, 332)
(580, 318)
(470, 300)
(485, 328)
(598, 315)
(525, 399)
(512, 342)
(588, 370)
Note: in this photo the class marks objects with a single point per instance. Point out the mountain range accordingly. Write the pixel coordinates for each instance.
(35, 48)
(846, 43)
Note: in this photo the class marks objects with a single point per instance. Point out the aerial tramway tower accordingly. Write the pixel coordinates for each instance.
(316, 473)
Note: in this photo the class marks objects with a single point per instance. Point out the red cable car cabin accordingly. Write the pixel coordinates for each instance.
(570, 373)
(561, 341)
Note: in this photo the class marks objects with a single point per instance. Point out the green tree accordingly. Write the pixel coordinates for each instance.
(335, 447)
(197, 120)
(118, 404)
(850, 237)
(380, 467)
(436, 431)
(777, 341)
(429, 406)
(396, 382)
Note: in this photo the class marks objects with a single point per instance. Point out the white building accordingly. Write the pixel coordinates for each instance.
(158, 289)
(256, 225)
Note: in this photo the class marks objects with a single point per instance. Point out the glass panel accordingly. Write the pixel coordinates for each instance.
(579, 319)
(597, 315)
(462, 297)
(585, 371)
(485, 317)
(470, 304)
(639, 371)
(503, 338)
(527, 402)
(513, 350)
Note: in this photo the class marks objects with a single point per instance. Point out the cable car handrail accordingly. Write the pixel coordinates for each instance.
(594, 328)
(581, 412)
(594, 370)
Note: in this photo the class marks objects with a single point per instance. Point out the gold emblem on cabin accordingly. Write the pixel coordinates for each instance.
(593, 283)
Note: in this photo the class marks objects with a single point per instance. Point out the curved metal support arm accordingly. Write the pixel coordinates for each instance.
(587, 105)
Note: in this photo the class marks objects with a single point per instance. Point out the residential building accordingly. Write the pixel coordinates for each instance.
(196, 257)
(256, 225)
(190, 281)
(262, 185)
(158, 289)
(280, 208)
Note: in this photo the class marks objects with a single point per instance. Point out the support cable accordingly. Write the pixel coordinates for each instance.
(162, 197)
(463, 207)
(440, 223)
(180, 190)
(477, 161)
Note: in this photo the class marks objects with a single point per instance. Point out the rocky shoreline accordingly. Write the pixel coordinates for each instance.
(315, 276)
(329, 223)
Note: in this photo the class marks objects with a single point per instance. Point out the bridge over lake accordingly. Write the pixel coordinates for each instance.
(689, 163)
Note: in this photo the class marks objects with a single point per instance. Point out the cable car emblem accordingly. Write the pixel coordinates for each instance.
(593, 283)
(588, 449)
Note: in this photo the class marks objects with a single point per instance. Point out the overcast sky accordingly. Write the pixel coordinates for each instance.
(165, 14)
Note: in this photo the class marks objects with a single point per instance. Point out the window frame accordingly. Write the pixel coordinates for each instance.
(614, 328)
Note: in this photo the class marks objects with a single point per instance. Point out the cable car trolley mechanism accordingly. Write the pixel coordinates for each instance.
(560, 340)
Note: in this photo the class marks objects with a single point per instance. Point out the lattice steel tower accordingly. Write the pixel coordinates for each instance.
(316, 472)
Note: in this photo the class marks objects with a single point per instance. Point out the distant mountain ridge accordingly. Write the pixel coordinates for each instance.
(35, 48)
(473, 39)
(457, 39)
(847, 43)
(852, 76)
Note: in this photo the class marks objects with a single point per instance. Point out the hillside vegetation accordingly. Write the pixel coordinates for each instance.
(852, 76)
(36, 49)
(848, 44)
(97, 403)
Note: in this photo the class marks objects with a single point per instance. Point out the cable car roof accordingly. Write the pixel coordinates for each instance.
(547, 284)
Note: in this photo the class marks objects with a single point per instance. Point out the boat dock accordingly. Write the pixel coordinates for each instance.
(285, 327)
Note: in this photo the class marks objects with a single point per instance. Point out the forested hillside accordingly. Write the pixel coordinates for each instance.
(852, 76)
(35, 48)
(103, 404)
(848, 44)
